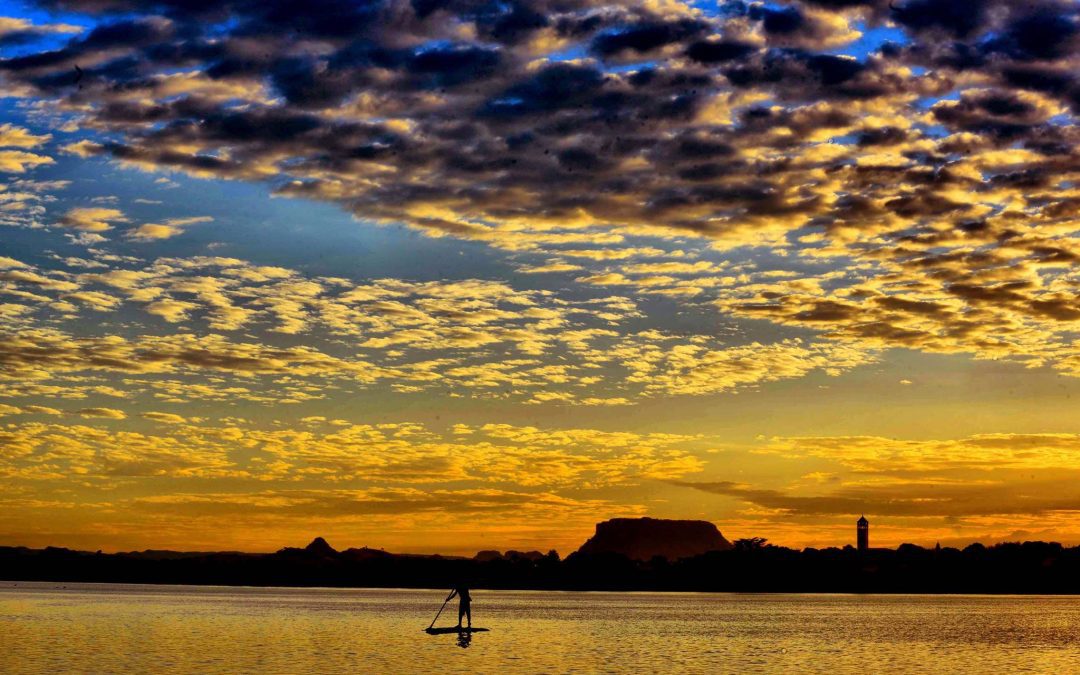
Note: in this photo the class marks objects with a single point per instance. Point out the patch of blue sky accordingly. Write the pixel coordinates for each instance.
(38, 43)
(437, 46)
(317, 238)
(729, 8)
(35, 45)
(872, 40)
(34, 13)
(846, 139)
(507, 102)
(11, 109)
(572, 53)
(934, 130)
(631, 67)
(927, 102)
(224, 26)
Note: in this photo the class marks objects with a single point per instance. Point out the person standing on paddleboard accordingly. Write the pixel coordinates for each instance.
(464, 603)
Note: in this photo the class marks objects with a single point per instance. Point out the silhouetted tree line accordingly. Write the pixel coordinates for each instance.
(752, 565)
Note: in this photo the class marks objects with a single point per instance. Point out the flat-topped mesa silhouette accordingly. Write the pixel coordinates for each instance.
(647, 538)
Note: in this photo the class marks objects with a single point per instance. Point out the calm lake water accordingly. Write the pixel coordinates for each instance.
(48, 627)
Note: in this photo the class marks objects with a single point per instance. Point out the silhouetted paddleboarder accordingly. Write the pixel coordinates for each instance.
(464, 610)
(464, 603)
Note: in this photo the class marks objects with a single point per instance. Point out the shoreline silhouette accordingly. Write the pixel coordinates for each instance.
(747, 565)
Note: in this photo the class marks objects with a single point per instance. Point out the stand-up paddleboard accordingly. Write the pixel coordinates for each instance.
(454, 629)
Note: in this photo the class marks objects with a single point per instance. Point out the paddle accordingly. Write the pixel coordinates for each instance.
(440, 610)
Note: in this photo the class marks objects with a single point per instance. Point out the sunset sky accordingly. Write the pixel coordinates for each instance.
(454, 275)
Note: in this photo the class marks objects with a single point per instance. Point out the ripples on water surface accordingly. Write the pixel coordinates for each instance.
(46, 627)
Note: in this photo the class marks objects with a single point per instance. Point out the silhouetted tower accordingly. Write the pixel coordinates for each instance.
(862, 530)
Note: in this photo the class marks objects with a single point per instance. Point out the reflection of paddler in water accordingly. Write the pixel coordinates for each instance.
(464, 603)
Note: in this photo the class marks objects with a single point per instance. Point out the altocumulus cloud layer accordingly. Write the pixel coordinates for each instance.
(855, 175)
(935, 167)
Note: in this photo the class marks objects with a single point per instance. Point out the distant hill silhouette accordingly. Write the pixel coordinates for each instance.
(488, 556)
(647, 538)
(153, 554)
(748, 565)
(364, 553)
